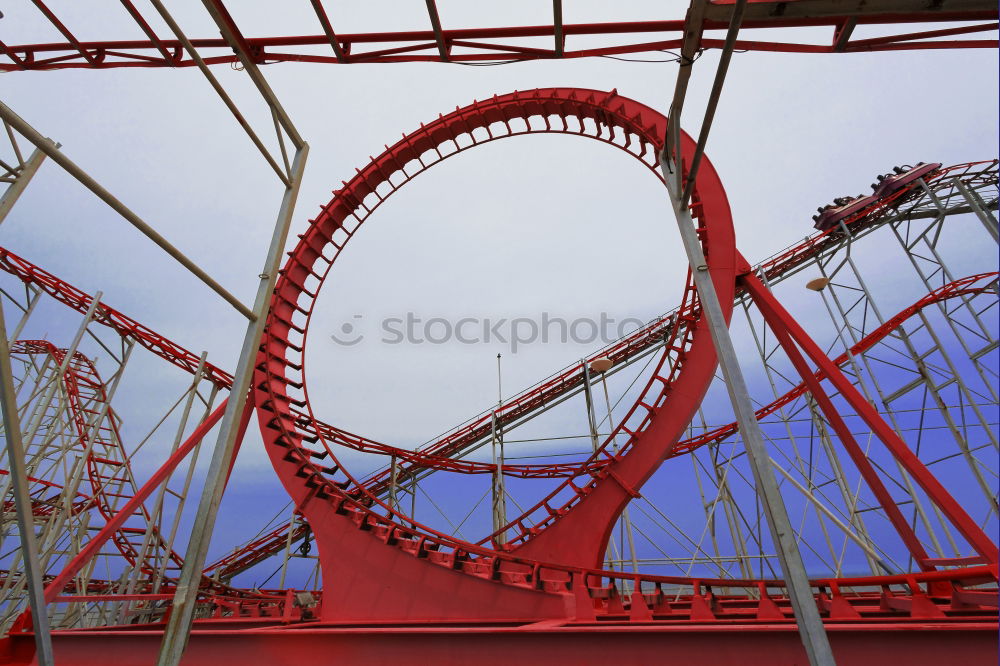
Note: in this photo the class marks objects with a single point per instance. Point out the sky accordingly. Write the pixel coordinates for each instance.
(525, 226)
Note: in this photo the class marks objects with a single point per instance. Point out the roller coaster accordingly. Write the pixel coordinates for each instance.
(849, 512)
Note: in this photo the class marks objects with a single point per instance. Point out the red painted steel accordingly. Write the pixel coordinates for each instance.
(380, 567)
(108, 466)
(792, 335)
(735, 644)
(918, 618)
(45, 506)
(268, 544)
(431, 576)
(968, 286)
(787, 261)
(482, 45)
(336, 508)
(393, 585)
(126, 327)
(133, 505)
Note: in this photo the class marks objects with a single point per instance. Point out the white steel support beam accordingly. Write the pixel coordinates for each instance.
(220, 91)
(324, 20)
(499, 493)
(178, 629)
(807, 616)
(235, 40)
(975, 203)
(626, 520)
(14, 190)
(22, 504)
(589, 402)
(693, 22)
(713, 99)
(862, 542)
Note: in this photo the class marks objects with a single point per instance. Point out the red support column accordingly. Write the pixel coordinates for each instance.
(857, 454)
(780, 320)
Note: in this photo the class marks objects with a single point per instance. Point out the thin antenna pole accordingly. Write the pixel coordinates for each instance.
(499, 385)
(499, 498)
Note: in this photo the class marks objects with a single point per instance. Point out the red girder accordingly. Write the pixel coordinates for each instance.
(926, 618)
(735, 643)
(784, 262)
(960, 287)
(56, 586)
(796, 343)
(108, 468)
(469, 581)
(476, 45)
(268, 544)
(126, 327)
(41, 506)
(357, 532)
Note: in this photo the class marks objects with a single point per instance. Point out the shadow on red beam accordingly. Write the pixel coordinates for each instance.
(735, 644)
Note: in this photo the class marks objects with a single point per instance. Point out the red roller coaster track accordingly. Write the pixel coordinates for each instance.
(548, 390)
(108, 467)
(439, 454)
(392, 585)
(354, 526)
(477, 45)
(380, 566)
(108, 472)
(334, 511)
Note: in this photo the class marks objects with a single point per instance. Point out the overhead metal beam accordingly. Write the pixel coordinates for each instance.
(146, 28)
(231, 33)
(70, 37)
(693, 28)
(234, 420)
(479, 44)
(13, 56)
(713, 98)
(801, 11)
(842, 34)
(219, 90)
(22, 504)
(900, 40)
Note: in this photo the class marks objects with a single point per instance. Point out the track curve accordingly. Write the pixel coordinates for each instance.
(784, 263)
(108, 470)
(417, 571)
(334, 501)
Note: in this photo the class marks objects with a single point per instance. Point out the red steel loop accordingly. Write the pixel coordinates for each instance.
(329, 495)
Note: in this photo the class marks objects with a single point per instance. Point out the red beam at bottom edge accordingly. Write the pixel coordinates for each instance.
(967, 643)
